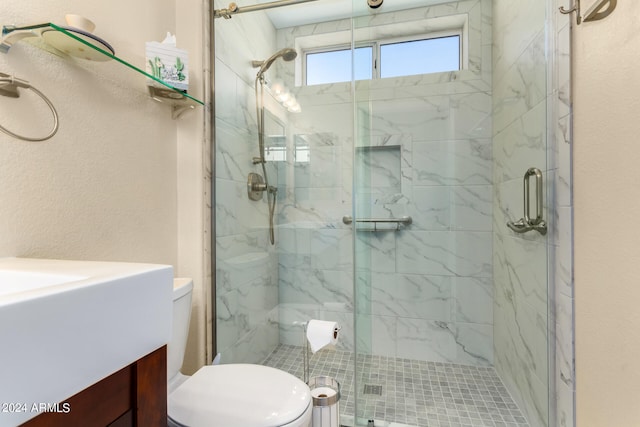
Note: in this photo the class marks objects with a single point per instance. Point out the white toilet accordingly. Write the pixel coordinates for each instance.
(239, 395)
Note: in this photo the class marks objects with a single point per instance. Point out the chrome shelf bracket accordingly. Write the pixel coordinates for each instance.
(598, 11)
(527, 223)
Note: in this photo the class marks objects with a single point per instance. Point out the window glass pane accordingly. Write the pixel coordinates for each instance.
(329, 67)
(363, 60)
(420, 57)
(335, 66)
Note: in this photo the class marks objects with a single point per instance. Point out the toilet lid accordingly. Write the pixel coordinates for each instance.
(239, 396)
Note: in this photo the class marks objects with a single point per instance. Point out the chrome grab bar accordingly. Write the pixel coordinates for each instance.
(402, 221)
(527, 224)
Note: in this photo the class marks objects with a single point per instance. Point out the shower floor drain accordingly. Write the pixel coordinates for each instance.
(373, 389)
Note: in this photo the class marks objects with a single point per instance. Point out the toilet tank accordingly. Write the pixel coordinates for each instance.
(182, 290)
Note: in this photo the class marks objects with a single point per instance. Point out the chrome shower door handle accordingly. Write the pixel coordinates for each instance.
(527, 224)
(527, 213)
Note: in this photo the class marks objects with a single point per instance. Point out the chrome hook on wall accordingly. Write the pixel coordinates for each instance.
(575, 8)
(527, 223)
(595, 13)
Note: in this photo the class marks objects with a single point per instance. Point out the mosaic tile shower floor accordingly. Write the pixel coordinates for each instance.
(414, 393)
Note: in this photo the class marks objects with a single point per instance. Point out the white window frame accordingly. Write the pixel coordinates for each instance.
(336, 48)
(429, 36)
(413, 30)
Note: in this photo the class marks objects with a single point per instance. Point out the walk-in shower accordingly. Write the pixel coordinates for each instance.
(394, 183)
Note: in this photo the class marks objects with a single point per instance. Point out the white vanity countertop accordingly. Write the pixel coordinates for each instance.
(65, 325)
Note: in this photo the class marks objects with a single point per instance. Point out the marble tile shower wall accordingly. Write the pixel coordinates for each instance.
(527, 96)
(246, 264)
(426, 291)
(560, 253)
(421, 315)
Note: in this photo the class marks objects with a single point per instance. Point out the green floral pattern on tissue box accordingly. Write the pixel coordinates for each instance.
(168, 64)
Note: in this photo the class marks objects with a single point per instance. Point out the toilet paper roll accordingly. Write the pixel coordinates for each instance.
(323, 392)
(321, 333)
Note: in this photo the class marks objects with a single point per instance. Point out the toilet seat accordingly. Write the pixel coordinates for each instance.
(241, 395)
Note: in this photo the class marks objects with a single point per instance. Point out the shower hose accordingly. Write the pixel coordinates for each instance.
(271, 191)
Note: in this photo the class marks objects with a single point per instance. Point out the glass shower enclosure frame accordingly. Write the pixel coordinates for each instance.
(392, 201)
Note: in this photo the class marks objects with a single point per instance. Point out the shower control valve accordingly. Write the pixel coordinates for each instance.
(255, 186)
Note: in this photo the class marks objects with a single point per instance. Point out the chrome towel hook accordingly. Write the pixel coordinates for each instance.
(575, 8)
(595, 13)
(527, 223)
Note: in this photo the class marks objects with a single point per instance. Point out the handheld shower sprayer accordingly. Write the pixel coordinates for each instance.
(255, 187)
(287, 54)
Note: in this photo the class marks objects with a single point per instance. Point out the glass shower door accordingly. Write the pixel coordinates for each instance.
(394, 188)
(450, 304)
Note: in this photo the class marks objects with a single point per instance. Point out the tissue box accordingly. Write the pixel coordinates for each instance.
(168, 63)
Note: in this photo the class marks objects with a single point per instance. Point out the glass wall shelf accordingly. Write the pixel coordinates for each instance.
(160, 91)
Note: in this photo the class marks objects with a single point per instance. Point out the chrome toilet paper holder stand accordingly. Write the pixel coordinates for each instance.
(305, 351)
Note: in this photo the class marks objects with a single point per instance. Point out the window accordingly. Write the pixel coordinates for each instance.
(277, 153)
(385, 58)
(334, 66)
(275, 139)
(420, 57)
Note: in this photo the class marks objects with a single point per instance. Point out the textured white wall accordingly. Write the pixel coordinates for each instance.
(194, 182)
(104, 188)
(120, 180)
(606, 176)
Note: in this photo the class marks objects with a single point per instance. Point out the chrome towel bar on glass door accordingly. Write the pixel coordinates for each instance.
(527, 223)
(399, 223)
(234, 9)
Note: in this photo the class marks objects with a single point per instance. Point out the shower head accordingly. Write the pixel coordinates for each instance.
(287, 54)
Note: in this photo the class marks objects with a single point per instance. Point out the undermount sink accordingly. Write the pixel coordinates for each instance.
(65, 325)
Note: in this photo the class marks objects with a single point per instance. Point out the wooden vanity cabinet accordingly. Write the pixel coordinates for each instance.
(135, 396)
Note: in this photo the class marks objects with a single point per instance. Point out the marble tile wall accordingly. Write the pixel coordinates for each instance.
(246, 264)
(427, 292)
(561, 247)
(520, 261)
(424, 292)
(528, 94)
